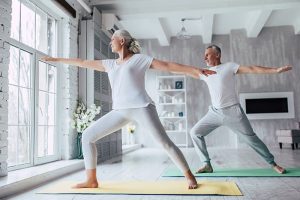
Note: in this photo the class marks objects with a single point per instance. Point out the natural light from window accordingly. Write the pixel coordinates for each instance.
(32, 87)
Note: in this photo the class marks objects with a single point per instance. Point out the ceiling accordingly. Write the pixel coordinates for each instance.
(161, 19)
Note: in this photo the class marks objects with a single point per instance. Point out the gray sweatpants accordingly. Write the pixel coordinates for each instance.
(146, 117)
(234, 118)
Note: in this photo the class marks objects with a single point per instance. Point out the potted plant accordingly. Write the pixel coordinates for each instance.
(131, 129)
(82, 118)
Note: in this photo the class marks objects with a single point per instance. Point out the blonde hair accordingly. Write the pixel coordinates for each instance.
(131, 43)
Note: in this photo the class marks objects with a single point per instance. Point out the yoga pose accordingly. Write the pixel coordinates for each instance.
(130, 101)
(226, 110)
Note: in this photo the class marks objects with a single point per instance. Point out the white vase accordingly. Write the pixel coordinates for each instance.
(132, 138)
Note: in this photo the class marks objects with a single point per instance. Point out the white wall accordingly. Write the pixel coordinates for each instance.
(274, 46)
(5, 16)
(68, 84)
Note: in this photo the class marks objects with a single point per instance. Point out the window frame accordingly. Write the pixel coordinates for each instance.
(35, 58)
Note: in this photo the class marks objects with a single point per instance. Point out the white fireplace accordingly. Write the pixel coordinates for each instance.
(268, 105)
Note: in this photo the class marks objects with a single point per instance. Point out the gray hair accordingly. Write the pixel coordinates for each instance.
(131, 43)
(215, 48)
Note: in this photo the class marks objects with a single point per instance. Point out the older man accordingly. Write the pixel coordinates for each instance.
(226, 110)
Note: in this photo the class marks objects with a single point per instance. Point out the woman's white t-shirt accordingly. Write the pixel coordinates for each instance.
(127, 81)
(221, 85)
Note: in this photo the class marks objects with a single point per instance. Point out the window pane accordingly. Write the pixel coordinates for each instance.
(23, 145)
(51, 109)
(42, 144)
(41, 31)
(51, 36)
(15, 20)
(25, 63)
(13, 105)
(43, 76)
(12, 145)
(50, 140)
(13, 71)
(42, 108)
(27, 23)
(24, 106)
(52, 78)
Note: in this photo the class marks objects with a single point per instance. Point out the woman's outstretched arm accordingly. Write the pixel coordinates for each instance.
(180, 69)
(91, 64)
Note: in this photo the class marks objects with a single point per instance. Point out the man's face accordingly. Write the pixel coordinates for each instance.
(212, 58)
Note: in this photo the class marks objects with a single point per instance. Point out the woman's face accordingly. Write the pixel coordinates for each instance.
(116, 43)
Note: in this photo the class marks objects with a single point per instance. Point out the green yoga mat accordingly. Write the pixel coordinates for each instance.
(290, 172)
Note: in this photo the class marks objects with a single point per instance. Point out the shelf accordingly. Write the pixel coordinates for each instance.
(176, 131)
(164, 104)
(170, 103)
(182, 145)
(172, 117)
(171, 77)
(171, 90)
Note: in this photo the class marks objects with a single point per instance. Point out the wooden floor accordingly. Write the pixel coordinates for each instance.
(148, 164)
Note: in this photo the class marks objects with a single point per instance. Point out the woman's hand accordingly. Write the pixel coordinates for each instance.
(207, 72)
(49, 59)
(198, 72)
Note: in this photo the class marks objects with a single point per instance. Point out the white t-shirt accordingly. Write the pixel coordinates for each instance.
(222, 85)
(127, 81)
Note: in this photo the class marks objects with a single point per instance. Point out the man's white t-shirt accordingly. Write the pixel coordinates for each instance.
(222, 85)
(127, 81)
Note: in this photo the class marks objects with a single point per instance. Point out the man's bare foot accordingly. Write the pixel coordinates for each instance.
(192, 182)
(278, 169)
(205, 169)
(86, 184)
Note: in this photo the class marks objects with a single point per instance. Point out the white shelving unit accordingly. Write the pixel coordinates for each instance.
(171, 107)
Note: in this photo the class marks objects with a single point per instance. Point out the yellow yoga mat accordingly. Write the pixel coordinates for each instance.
(149, 187)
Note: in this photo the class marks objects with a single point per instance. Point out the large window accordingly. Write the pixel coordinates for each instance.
(33, 27)
(19, 107)
(32, 135)
(46, 110)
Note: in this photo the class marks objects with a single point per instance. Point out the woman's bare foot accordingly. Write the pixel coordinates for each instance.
(91, 180)
(87, 184)
(192, 182)
(205, 169)
(278, 169)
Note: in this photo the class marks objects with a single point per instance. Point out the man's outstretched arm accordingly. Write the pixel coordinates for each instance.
(254, 69)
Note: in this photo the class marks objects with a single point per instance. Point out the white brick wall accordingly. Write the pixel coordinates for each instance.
(69, 93)
(5, 18)
(69, 85)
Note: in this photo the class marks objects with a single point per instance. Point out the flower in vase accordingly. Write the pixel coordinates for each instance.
(83, 116)
(130, 128)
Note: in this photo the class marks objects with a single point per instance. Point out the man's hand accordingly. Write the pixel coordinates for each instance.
(284, 68)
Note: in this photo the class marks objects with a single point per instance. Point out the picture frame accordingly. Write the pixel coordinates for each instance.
(178, 85)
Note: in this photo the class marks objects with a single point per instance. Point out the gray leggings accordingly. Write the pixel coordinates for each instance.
(234, 118)
(146, 117)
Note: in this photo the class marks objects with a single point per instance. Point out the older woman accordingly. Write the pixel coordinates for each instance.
(130, 101)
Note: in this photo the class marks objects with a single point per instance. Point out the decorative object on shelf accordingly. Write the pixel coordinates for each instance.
(180, 126)
(82, 118)
(178, 84)
(180, 114)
